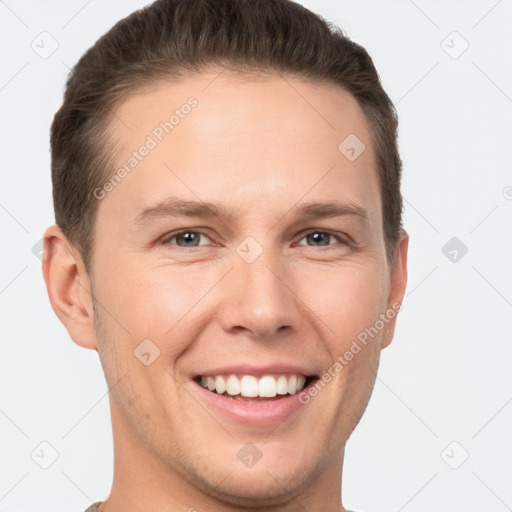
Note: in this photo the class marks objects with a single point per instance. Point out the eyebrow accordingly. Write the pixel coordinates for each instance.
(175, 207)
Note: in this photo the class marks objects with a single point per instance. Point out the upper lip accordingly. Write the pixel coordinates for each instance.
(247, 369)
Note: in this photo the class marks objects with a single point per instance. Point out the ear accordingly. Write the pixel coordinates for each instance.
(69, 287)
(398, 283)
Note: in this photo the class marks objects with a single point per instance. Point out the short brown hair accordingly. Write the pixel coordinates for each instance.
(170, 38)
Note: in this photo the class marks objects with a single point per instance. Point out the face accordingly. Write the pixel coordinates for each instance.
(242, 252)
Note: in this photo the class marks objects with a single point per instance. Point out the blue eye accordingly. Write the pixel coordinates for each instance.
(324, 239)
(189, 237)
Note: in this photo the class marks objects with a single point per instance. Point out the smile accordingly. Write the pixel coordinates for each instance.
(261, 398)
(253, 386)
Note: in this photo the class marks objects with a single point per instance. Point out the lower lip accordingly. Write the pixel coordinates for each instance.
(252, 413)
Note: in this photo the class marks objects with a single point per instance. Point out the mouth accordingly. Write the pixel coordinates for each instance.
(255, 388)
(255, 396)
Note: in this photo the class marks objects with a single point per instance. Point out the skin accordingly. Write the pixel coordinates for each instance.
(258, 148)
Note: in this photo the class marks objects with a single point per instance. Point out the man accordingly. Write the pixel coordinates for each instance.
(228, 238)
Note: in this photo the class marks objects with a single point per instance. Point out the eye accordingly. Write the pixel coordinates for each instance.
(189, 238)
(322, 238)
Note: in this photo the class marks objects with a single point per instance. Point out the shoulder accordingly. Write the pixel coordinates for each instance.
(94, 507)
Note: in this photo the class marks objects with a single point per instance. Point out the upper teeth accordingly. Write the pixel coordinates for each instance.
(251, 386)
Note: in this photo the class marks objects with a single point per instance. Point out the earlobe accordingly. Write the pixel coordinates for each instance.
(398, 284)
(69, 288)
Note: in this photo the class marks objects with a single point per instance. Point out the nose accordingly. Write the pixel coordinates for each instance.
(258, 298)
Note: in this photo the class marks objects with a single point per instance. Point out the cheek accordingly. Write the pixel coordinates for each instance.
(351, 301)
(162, 303)
(151, 299)
(355, 350)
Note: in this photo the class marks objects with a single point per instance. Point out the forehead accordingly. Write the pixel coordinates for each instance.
(228, 101)
(243, 139)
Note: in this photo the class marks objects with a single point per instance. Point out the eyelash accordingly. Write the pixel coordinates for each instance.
(166, 240)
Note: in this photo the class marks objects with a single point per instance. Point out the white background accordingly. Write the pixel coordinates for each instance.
(446, 377)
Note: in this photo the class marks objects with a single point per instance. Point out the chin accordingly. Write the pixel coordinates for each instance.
(263, 485)
(258, 491)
